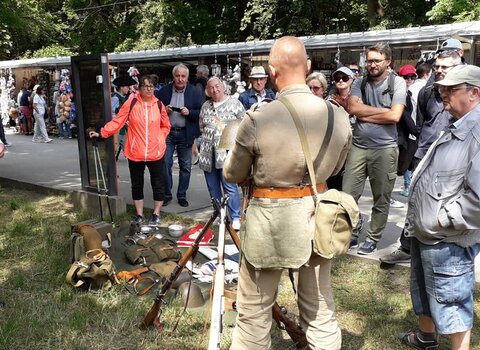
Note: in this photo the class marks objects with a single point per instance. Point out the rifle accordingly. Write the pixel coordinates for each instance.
(218, 297)
(153, 315)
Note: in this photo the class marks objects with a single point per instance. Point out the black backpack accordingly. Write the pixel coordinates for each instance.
(389, 90)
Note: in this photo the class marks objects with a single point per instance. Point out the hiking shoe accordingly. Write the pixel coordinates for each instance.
(396, 204)
(411, 338)
(405, 193)
(396, 257)
(139, 219)
(367, 248)
(183, 202)
(353, 243)
(155, 220)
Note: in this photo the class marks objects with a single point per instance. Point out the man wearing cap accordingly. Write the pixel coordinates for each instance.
(183, 102)
(378, 104)
(452, 45)
(443, 219)
(258, 93)
(432, 118)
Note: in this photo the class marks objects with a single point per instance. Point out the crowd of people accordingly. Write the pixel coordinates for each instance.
(421, 123)
(388, 124)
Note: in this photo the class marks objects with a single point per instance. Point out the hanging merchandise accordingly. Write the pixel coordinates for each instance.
(134, 73)
(216, 69)
(362, 61)
(337, 58)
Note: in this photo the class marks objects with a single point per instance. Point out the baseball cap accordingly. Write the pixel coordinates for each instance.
(450, 44)
(407, 69)
(462, 74)
(258, 72)
(344, 70)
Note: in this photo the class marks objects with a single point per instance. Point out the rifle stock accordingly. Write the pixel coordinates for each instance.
(292, 328)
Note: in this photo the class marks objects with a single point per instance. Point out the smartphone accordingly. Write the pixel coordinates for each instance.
(176, 109)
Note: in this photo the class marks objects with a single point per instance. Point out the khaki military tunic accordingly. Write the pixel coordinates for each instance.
(278, 233)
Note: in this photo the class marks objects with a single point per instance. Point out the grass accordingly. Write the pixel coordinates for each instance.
(39, 310)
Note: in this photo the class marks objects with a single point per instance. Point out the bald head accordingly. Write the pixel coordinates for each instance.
(288, 62)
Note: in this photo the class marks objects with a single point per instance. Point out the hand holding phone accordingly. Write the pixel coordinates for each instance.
(176, 109)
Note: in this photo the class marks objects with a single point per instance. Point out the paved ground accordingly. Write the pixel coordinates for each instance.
(56, 165)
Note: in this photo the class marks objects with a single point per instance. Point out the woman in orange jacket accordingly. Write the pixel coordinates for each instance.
(148, 128)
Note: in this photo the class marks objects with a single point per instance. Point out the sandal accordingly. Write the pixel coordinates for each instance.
(411, 338)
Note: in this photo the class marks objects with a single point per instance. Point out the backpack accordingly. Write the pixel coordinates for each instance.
(121, 99)
(91, 266)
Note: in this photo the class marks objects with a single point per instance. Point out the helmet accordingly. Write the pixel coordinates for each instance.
(194, 298)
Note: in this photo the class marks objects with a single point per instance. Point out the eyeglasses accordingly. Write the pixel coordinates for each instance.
(315, 88)
(409, 77)
(376, 62)
(451, 89)
(148, 87)
(439, 67)
(343, 78)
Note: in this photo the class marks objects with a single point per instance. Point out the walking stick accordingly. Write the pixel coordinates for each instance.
(98, 165)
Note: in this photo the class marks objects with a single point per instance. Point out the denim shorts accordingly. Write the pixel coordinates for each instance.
(442, 284)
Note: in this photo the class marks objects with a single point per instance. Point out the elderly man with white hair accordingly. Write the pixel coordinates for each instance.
(258, 79)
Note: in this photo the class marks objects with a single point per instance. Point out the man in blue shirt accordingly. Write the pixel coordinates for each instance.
(258, 93)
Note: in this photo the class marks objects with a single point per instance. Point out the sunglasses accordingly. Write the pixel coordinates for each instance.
(354, 70)
(343, 78)
(409, 77)
(315, 88)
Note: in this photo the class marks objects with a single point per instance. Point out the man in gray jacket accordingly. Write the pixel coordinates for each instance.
(444, 219)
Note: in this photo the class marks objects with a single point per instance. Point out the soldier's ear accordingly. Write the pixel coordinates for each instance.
(273, 72)
(309, 65)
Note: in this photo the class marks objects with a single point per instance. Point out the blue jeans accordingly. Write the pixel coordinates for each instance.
(215, 184)
(177, 140)
(442, 284)
(64, 129)
(407, 177)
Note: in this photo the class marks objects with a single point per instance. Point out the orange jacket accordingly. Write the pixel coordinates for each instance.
(148, 128)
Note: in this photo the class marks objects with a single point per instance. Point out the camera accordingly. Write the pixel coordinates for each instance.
(176, 109)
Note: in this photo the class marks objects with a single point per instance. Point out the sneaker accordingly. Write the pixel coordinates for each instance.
(167, 202)
(396, 257)
(155, 220)
(48, 140)
(353, 243)
(7, 144)
(139, 219)
(367, 248)
(411, 338)
(236, 224)
(396, 204)
(405, 193)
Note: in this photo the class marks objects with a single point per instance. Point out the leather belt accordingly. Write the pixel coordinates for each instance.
(174, 128)
(287, 192)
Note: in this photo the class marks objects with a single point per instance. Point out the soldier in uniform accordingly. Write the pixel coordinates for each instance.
(280, 218)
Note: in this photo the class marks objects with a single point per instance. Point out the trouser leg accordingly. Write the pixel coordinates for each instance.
(355, 174)
(316, 305)
(256, 294)
(137, 171)
(157, 179)
(382, 172)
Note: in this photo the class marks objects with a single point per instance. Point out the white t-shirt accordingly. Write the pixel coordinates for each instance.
(40, 102)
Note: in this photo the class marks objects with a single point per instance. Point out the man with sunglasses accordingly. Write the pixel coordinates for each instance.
(443, 219)
(374, 151)
(432, 118)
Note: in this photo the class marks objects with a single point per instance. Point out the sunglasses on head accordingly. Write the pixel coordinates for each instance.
(343, 78)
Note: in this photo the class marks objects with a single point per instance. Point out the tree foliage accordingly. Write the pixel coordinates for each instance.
(56, 27)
